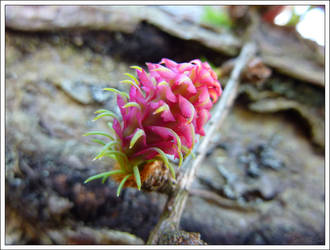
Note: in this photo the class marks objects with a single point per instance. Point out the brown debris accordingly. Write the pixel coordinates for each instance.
(154, 177)
(180, 237)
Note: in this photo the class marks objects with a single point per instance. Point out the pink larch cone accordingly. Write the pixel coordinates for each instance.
(160, 116)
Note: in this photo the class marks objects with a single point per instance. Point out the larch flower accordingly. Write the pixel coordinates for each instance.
(163, 111)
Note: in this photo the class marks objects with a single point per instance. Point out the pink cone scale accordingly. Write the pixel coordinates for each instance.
(166, 106)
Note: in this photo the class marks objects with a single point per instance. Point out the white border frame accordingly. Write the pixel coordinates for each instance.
(4, 3)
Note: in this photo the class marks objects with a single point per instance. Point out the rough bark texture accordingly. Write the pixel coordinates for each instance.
(262, 181)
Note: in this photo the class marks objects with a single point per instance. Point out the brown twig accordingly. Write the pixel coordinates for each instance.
(176, 201)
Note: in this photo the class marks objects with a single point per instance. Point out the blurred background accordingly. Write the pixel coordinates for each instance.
(262, 181)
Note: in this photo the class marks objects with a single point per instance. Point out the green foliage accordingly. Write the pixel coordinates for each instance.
(138, 134)
(123, 94)
(216, 17)
(105, 113)
(104, 175)
(295, 18)
(137, 177)
(99, 133)
(112, 150)
(120, 187)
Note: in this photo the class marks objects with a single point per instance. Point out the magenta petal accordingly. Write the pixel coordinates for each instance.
(167, 116)
(169, 63)
(185, 67)
(197, 62)
(168, 92)
(155, 104)
(165, 146)
(207, 66)
(204, 98)
(184, 131)
(183, 79)
(186, 108)
(163, 72)
(147, 153)
(117, 128)
(146, 82)
(154, 74)
(167, 137)
(121, 103)
(144, 139)
(135, 95)
(163, 132)
(206, 77)
(202, 118)
(151, 66)
(144, 78)
(168, 147)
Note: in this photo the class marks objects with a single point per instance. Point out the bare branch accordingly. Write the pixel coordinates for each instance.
(176, 202)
